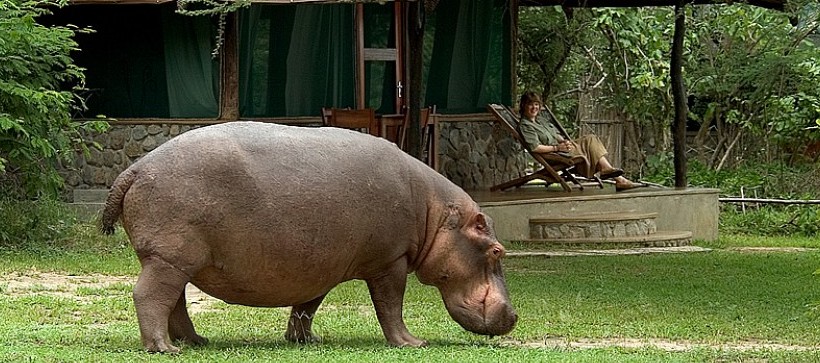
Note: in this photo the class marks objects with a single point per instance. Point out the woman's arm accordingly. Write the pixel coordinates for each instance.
(539, 139)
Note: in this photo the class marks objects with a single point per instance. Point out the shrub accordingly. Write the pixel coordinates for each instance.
(38, 92)
(755, 180)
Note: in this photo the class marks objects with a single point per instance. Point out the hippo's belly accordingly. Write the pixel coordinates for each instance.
(274, 290)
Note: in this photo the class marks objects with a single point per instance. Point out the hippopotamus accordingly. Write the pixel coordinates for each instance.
(268, 215)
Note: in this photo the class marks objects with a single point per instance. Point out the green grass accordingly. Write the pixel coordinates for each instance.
(707, 301)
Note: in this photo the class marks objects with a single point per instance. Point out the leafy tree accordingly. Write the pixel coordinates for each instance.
(755, 74)
(749, 72)
(38, 92)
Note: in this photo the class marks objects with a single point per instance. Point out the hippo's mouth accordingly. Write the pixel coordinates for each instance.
(484, 312)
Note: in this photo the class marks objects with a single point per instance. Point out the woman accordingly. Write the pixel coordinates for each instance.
(543, 137)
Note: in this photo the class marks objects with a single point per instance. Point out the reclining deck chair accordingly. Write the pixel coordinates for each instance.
(556, 167)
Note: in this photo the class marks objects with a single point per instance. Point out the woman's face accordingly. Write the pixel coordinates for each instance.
(531, 110)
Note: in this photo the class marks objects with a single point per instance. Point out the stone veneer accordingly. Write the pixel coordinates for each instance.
(121, 146)
(595, 229)
(474, 154)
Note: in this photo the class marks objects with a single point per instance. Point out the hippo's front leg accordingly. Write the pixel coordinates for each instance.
(387, 293)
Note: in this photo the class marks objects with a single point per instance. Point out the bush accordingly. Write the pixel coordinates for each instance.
(33, 223)
(770, 220)
(38, 92)
(50, 225)
(755, 180)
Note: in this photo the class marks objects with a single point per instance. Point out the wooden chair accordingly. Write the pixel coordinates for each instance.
(327, 113)
(394, 128)
(556, 167)
(363, 120)
(429, 136)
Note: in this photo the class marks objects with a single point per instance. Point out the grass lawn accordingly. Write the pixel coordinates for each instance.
(730, 304)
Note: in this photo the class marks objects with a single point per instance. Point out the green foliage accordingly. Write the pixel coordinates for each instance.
(757, 71)
(38, 85)
(219, 9)
(766, 181)
(748, 71)
(48, 225)
(770, 220)
(30, 224)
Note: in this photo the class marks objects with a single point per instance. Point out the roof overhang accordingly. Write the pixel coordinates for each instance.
(769, 4)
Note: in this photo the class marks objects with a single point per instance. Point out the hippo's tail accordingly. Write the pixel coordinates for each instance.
(113, 204)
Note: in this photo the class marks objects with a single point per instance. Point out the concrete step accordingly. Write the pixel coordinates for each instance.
(90, 195)
(593, 226)
(657, 239)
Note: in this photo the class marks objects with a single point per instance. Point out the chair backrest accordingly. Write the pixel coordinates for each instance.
(429, 134)
(363, 120)
(327, 114)
(507, 119)
(551, 163)
(427, 116)
(554, 121)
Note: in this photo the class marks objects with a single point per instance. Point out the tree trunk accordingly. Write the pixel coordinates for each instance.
(679, 96)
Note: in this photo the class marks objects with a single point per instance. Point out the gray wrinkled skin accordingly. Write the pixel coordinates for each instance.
(268, 215)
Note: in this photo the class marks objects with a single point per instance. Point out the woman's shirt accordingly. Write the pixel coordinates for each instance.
(539, 132)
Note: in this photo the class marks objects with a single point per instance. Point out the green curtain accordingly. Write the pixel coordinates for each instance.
(469, 64)
(144, 61)
(296, 59)
(190, 69)
(148, 61)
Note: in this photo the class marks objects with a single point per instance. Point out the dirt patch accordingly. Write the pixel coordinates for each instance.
(85, 287)
(661, 344)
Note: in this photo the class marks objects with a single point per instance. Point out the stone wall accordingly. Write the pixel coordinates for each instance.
(121, 146)
(473, 154)
(476, 155)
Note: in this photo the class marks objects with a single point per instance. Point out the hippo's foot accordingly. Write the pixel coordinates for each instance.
(195, 340)
(407, 340)
(301, 336)
(160, 346)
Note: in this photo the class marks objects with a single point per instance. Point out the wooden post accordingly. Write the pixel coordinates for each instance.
(415, 36)
(360, 82)
(229, 92)
(679, 95)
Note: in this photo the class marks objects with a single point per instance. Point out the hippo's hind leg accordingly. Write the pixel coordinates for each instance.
(300, 322)
(180, 326)
(157, 293)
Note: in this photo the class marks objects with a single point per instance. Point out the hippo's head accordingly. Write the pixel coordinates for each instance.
(464, 263)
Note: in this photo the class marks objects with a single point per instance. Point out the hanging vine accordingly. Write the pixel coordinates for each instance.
(214, 8)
